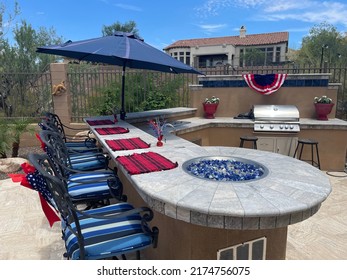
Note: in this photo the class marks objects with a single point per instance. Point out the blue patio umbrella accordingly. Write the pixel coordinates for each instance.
(123, 49)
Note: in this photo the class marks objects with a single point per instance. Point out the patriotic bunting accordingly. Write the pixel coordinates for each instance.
(265, 84)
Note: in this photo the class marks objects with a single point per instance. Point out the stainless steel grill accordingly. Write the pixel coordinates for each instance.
(276, 118)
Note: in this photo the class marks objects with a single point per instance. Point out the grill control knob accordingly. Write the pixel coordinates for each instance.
(261, 126)
(271, 126)
(291, 127)
(281, 126)
(286, 126)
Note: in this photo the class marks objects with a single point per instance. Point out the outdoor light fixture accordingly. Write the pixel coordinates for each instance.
(325, 46)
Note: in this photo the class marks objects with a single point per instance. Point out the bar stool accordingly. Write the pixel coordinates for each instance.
(252, 139)
(312, 143)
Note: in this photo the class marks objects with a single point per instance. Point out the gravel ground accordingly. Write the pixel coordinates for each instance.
(22, 153)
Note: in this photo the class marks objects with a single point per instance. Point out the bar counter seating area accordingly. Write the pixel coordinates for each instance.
(202, 218)
(211, 198)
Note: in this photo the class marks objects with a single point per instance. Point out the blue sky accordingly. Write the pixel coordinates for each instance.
(162, 22)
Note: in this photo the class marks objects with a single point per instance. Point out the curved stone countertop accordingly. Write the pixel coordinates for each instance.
(291, 192)
(188, 123)
(192, 124)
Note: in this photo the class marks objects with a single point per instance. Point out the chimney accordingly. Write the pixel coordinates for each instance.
(242, 32)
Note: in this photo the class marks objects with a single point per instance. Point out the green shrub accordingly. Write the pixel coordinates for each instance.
(6, 138)
(10, 133)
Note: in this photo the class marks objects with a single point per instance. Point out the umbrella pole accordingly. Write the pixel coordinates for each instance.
(122, 111)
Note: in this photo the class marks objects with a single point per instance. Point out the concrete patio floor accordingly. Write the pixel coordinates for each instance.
(26, 235)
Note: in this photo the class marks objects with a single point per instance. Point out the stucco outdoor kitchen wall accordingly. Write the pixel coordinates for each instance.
(236, 97)
(298, 89)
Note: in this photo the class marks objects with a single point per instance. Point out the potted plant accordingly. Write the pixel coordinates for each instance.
(323, 106)
(210, 107)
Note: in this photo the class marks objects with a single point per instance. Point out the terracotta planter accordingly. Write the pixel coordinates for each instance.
(323, 110)
(210, 110)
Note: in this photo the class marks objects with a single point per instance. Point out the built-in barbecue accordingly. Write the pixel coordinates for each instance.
(276, 118)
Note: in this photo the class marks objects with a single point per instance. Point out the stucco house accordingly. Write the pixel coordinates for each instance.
(242, 50)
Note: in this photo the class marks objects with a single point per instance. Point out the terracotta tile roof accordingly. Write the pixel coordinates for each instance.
(249, 40)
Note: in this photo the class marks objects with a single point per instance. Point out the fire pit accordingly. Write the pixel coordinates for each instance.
(225, 169)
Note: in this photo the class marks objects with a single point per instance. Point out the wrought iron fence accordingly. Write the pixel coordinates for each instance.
(338, 74)
(25, 94)
(96, 89)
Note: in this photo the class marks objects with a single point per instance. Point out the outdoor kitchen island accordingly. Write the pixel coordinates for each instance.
(205, 219)
(226, 131)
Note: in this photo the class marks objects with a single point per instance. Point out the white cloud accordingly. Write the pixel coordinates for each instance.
(331, 12)
(282, 5)
(310, 11)
(122, 6)
(250, 3)
(212, 7)
(211, 28)
(128, 7)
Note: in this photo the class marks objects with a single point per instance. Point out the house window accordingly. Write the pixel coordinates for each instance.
(181, 57)
(254, 56)
(213, 60)
(278, 54)
(269, 56)
(241, 58)
(188, 58)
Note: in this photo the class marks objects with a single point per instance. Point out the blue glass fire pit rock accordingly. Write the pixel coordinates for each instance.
(225, 169)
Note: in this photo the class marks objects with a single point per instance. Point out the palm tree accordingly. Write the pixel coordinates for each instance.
(6, 138)
(18, 127)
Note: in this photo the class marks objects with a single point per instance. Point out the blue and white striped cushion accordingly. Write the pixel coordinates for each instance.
(98, 190)
(107, 237)
(108, 210)
(87, 161)
(105, 211)
(80, 144)
(82, 149)
(83, 177)
(89, 185)
(81, 156)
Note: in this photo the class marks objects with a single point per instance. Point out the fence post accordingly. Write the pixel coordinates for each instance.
(61, 100)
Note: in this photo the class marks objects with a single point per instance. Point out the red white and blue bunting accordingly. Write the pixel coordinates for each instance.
(265, 84)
